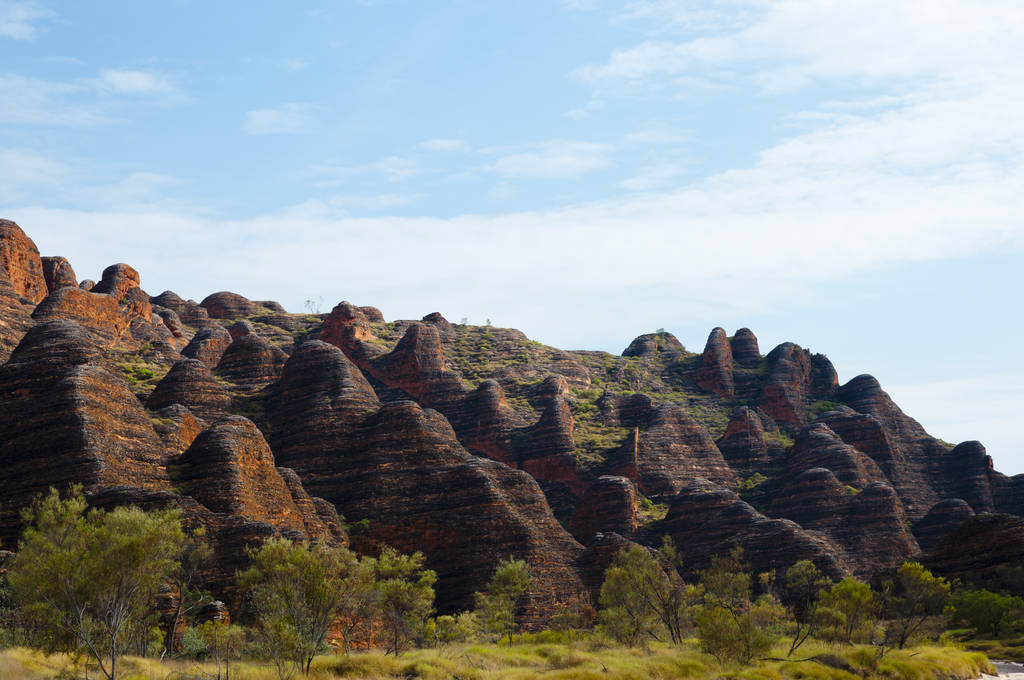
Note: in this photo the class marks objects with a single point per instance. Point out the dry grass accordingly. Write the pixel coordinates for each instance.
(585, 660)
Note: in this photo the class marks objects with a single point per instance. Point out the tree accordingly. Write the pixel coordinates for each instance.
(642, 590)
(196, 554)
(909, 599)
(88, 579)
(984, 610)
(498, 604)
(730, 626)
(801, 595)
(850, 604)
(405, 594)
(297, 591)
(224, 642)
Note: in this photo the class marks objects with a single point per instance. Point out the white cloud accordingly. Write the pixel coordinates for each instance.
(287, 119)
(444, 145)
(125, 81)
(555, 159)
(31, 101)
(788, 44)
(23, 174)
(17, 19)
(653, 177)
(391, 168)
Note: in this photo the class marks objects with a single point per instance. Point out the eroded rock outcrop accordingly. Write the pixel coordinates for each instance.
(942, 520)
(67, 418)
(251, 363)
(58, 273)
(208, 345)
(745, 351)
(402, 467)
(673, 450)
(191, 384)
(15, 319)
(228, 305)
(608, 505)
(705, 520)
(20, 258)
(715, 371)
(229, 468)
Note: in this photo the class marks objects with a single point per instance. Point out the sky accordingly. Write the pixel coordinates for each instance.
(844, 174)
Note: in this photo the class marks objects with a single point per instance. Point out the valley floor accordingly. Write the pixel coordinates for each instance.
(582, 660)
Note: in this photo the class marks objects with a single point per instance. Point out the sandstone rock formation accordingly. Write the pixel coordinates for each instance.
(191, 384)
(57, 273)
(20, 258)
(227, 305)
(715, 372)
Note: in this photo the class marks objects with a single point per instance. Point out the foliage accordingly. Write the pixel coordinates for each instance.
(909, 599)
(751, 482)
(497, 606)
(297, 591)
(405, 594)
(730, 626)
(224, 642)
(846, 610)
(803, 586)
(87, 580)
(984, 610)
(196, 554)
(643, 594)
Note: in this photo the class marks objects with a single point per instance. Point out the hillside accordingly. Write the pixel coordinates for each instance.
(470, 443)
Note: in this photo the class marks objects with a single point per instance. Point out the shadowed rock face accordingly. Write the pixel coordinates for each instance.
(942, 520)
(982, 546)
(651, 344)
(67, 418)
(745, 351)
(58, 273)
(671, 451)
(20, 258)
(706, 519)
(608, 505)
(795, 379)
(922, 469)
(402, 467)
(229, 468)
(190, 383)
(117, 280)
(251, 363)
(208, 345)
(715, 372)
(745, 447)
(14, 317)
(817, 446)
(227, 305)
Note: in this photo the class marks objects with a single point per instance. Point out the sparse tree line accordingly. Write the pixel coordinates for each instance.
(103, 584)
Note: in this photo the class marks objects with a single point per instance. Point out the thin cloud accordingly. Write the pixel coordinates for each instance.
(288, 119)
(444, 145)
(17, 19)
(126, 81)
(554, 160)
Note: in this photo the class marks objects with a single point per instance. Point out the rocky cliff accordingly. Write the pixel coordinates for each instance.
(470, 443)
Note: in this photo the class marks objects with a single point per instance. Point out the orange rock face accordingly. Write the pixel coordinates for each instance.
(20, 257)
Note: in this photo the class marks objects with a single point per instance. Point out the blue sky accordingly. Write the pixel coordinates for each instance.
(845, 174)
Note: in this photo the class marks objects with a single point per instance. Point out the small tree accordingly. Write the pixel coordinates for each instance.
(984, 610)
(405, 594)
(850, 605)
(910, 599)
(196, 555)
(90, 578)
(224, 642)
(297, 591)
(730, 626)
(801, 595)
(498, 604)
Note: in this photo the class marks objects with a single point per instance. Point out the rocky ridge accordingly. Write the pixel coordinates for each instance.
(470, 443)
